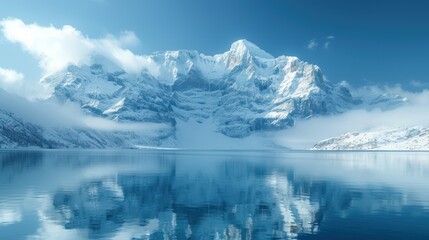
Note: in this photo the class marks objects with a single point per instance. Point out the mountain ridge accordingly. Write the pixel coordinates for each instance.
(239, 93)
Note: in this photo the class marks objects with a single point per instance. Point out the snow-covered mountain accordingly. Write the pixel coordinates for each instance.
(241, 91)
(234, 94)
(411, 138)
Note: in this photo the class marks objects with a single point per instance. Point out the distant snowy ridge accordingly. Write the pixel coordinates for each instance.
(411, 138)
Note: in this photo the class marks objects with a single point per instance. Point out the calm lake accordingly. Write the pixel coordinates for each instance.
(137, 194)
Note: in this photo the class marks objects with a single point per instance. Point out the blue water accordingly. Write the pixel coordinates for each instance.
(213, 195)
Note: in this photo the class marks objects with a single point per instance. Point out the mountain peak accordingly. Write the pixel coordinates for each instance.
(243, 45)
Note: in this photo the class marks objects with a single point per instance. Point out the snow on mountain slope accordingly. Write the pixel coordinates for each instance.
(110, 92)
(242, 91)
(412, 138)
(20, 126)
(16, 133)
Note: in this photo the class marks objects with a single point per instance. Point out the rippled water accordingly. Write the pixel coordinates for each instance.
(213, 195)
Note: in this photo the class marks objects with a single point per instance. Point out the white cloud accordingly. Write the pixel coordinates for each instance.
(102, 124)
(326, 46)
(9, 76)
(418, 84)
(10, 80)
(328, 41)
(312, 44)
(55, 48)
(51, 114)
(127, 38)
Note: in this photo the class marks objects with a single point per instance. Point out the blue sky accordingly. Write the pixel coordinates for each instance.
(369, 42)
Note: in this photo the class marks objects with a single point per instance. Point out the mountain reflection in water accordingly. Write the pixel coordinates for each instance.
(213, 195)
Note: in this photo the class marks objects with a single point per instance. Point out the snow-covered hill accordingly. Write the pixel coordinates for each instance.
(412, 138)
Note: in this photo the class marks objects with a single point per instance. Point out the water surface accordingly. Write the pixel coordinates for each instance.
(213, 195)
